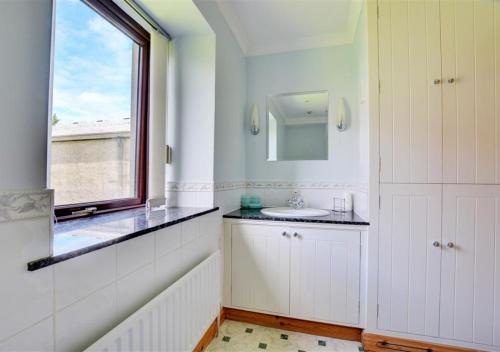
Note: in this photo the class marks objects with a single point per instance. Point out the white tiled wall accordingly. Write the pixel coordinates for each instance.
(67, 306)
(229, 200)
(203, 199)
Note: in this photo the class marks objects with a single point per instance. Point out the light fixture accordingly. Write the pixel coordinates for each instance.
(254, 120)
(341, 118)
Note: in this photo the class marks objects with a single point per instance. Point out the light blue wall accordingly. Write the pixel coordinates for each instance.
(24, 92)
(333, 69)
(191, 76)
(230, 98)
(240, 82)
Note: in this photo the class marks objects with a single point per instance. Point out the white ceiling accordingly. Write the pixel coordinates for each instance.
(272, 26)
(178, 17)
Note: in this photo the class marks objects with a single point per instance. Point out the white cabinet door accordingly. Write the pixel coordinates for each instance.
(470, 36)
(260, 271)
(410, 102)
(470, 289)
(409, 258)
(325, 274)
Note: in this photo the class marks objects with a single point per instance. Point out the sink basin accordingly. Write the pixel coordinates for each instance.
(294, 213)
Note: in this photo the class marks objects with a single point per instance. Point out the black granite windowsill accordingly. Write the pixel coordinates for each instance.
(349, 218)
(77, 237)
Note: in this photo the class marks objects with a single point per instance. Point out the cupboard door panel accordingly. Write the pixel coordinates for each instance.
(410, 105)
(470, 271)
(410, 221)
(470, 115)
(325, 275)
(260, 268)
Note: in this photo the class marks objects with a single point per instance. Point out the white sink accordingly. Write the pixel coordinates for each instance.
(294, 213)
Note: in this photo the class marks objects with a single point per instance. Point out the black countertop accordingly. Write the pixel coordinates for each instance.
(349, 218)
(77, 237)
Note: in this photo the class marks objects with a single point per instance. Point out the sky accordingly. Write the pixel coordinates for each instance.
(92, 66)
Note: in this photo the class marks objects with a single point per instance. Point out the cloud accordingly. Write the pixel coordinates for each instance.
(93, 66)
(90, 106)
(109, 36)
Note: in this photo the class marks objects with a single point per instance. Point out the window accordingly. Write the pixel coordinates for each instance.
(99, 109)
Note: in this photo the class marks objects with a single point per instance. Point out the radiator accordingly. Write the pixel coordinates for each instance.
(176, 319)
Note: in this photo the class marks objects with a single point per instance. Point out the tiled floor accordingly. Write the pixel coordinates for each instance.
(242, 337)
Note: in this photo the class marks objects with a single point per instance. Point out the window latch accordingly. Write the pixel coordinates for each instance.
(86, 211)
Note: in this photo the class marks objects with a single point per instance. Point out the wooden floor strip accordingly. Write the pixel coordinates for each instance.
(379, 343)
(207, 337)
(292, 324)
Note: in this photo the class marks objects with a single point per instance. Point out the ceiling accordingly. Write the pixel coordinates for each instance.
(272, 26)
(178, 17)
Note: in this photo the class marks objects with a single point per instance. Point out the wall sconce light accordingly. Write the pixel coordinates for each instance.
(254, 121)
(341, 118)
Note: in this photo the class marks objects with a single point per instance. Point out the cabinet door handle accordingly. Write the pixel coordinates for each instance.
(436, 244)
(296, 234)
(284, 234)
(436, 81)
(450, 245)
(451, 80)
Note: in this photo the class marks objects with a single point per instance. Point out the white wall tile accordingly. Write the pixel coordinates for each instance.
(39, 337)
(190, 230)
(78, 277)
(135, 253)
(193, 253)
(228, 200)
(168, 239)
(205, 199)
(186, 199)
(168, 269)
(26, 297)
(135, 290)
(83, 323)
(211, 224)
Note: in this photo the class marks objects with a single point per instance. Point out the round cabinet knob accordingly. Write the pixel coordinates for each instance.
(284, 234)
(295, 234)
(436, 81)
(451, 80)
(450, 245)
(436, 244)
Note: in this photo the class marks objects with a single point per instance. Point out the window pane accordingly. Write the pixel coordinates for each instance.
(94, 101)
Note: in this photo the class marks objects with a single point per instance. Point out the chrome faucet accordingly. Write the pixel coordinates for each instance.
(296, 201)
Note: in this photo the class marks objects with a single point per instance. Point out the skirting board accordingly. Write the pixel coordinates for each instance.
(379, 343)
(292, 324)
(207, 337)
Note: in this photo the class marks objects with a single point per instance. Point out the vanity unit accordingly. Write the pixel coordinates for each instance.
(308, 268)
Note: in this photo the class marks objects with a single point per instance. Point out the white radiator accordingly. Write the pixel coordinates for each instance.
(176, 319)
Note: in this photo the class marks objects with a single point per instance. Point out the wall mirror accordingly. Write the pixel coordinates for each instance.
(297, 126)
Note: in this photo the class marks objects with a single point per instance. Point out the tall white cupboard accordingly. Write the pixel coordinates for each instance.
(439, 217)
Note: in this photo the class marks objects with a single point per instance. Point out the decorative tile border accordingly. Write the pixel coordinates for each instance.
(232, 185)
(190, 187)
(306, 185)
(204, 186)
(25, 204)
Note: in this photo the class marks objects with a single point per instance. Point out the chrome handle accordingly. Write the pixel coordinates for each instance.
(450, 245)
(436, 81)
(284, 234)
(436, 244)
(296, 234)
(451, 80)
